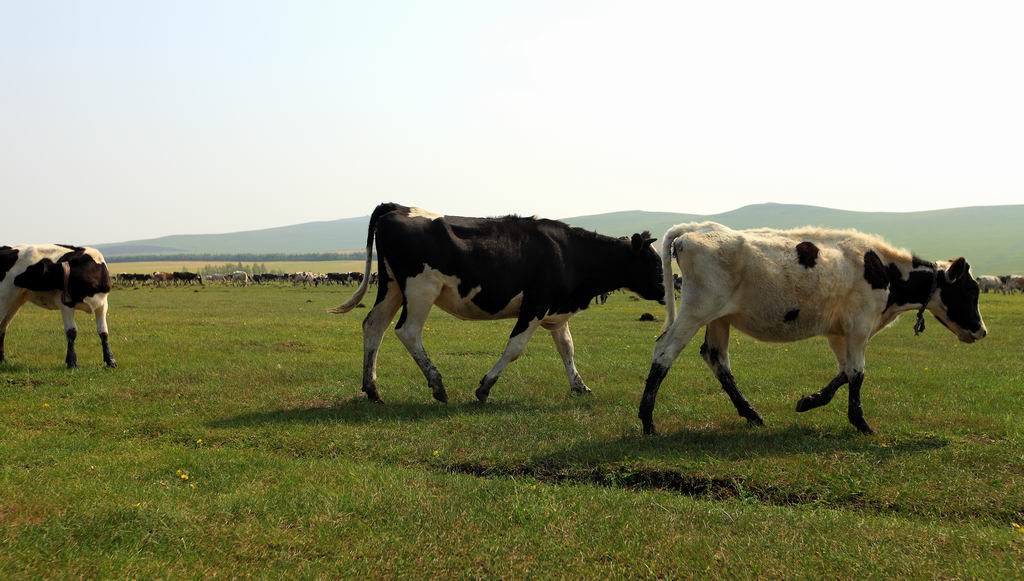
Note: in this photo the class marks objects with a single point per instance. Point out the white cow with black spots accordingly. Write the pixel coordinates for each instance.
(788, 285)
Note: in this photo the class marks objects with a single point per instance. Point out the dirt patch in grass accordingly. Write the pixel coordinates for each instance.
(12, 515)
(291, 346)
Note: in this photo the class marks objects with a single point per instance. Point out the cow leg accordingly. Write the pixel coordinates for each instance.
(374, 325)
(563, 343)
(515, 347)
(666, 349)
(6, 316)
(71, 332)
(855, 372)
(823, 397)
(715, 352)
(101, 330)
(420, 293)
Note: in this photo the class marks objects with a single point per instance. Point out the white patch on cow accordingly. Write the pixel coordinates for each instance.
(47, 300)
(421, 213)
(95, 254)
(453, 303)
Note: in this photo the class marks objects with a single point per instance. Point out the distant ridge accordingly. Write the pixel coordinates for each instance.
(344, 235)
(990, 237)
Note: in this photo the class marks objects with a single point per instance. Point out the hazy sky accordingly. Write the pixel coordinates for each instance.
(131, 119)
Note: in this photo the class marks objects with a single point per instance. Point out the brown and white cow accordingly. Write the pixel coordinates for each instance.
(1014, 283)
(56, 276)
(788, 285)
(163, 278)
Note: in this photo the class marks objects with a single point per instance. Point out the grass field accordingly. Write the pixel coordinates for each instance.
(195, 265)
(253, 395)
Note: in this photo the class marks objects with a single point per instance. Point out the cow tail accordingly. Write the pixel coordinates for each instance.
(667, 246)
(354, 300)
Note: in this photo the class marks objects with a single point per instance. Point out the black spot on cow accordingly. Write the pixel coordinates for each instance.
(8, 256)
(807, 254)
(791, 315)
(915, 289)
(874, 271)
(45, 275)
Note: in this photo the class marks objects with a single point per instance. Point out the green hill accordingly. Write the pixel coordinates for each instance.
(989, 236)
(331, 236)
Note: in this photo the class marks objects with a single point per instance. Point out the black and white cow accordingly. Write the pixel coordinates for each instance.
(788, 285)
(539, 272)
(341, 278)
(187, 278)
(56, 276)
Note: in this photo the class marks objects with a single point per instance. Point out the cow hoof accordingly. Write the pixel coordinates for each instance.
(111, 364)
(865, 429)
(484, 390)
(584, 391)
(372, 395)
(71, 363)
(650, 430)
(809, 402)
(755, 421)
(862, 426)
(441, 396)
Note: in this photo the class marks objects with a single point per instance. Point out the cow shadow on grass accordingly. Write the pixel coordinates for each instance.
(701, 464)
(359, 410)
(741, 443)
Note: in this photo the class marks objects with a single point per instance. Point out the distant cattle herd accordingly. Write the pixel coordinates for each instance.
(242, 278)
(1002, 284)
(1005, 284)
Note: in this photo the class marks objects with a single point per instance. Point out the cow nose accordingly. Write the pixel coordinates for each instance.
(982, 333)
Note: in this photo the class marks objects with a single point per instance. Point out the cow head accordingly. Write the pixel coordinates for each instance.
(955, 301)
(644, 271)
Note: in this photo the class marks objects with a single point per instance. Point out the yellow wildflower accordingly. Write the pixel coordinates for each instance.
(182, 474)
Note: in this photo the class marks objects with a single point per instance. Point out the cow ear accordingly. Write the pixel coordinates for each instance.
(957, 269)
(638, 242)
(642, 240)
